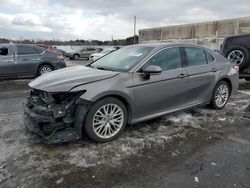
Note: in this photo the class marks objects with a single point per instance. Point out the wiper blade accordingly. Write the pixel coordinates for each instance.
(105, 68)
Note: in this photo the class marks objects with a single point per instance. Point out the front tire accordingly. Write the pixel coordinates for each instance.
(220, 95)
(106, 120)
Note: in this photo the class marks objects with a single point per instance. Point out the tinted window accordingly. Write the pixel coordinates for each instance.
(195, 56)
(26, 50)
(210, 58)
(39, 49)
(168, 59)
(4, 51)
(90, 49)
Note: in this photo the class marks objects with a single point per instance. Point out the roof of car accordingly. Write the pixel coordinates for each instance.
(162, 45)
(238, 36)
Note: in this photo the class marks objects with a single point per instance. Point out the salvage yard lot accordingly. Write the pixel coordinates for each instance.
(202, 147)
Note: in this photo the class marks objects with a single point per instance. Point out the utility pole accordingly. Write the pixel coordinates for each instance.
(134, 29)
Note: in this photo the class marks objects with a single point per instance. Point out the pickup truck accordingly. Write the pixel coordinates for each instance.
(237, 49)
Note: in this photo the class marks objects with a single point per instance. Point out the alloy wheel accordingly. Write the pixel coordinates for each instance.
(45, 69)
(221, 95)
(236, 56)
(108, 120)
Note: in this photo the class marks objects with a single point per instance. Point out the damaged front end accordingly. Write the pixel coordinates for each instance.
(55, 117)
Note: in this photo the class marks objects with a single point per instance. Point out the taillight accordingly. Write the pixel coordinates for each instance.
(60, 57)
(236, 67)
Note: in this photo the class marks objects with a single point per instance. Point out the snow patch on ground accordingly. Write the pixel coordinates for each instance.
(246, 92)
(181, 117)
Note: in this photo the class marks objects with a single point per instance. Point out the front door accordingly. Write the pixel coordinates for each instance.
(163, 92)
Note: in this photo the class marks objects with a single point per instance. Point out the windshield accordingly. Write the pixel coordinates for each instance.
(122, 59)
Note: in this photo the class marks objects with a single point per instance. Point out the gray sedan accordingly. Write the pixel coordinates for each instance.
(24, 60)
(130, 85)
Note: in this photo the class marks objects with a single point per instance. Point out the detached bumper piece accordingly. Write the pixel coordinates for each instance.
(53, 123)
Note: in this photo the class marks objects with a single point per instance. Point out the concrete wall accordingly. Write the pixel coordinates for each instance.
(210, 34)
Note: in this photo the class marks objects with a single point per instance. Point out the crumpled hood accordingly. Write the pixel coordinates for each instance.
(63, 80)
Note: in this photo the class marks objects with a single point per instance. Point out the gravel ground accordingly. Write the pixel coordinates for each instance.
(201, 147)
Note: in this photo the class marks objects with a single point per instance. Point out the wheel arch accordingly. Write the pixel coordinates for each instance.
(228, 81)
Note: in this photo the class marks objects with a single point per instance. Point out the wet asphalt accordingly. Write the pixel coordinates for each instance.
(197, 148)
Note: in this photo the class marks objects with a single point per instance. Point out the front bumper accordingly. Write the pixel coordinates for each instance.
(56, 124)
(50, 131)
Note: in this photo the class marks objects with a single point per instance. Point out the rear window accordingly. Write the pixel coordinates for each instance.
(195, 56)
(210, 58)
(28, 50)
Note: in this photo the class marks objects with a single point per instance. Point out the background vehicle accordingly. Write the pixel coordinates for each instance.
(23, 60)
(96, 56)
(81, 53)
(130, 85)
(237, 49)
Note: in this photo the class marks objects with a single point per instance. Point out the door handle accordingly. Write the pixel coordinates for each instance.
(36, 59)
(213, 70)
(182, 76)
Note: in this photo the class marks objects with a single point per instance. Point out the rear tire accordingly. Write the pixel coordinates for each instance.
(220, 95)
(106, 120)
(240, 55)
(44, 69)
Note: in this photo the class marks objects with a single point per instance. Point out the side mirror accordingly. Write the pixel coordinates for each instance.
(152, 69)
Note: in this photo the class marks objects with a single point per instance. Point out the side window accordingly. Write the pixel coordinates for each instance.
(4, 51)
(26, 50)
(90, 49)
(210, 58)
(168, 59)
(195, 56)
(39, 49)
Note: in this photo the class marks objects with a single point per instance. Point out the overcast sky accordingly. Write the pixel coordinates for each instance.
(100, 19)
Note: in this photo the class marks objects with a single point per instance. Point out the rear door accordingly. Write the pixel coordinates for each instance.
(28, 59)
(201, 69)
(7, 60)
(161, 92)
